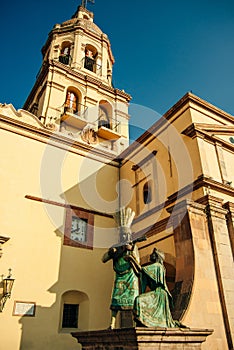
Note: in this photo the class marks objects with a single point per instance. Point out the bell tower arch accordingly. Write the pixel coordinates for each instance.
(75, 76)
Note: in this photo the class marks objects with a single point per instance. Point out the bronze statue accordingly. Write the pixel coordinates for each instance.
(126, 266)
(152, 309)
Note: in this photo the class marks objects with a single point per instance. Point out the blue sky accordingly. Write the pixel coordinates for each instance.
(162, 48)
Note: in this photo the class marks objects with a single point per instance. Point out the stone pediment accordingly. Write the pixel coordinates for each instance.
(222, 133)
(8, 110)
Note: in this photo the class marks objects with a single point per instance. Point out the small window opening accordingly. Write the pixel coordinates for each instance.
(90, 58)
(147, 193)
(65, 56)
(71, 103)
(103, 118)
(70, 316)
(34, 108)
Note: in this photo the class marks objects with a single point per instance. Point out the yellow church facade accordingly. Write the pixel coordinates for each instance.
(180, 172)
(68, 167)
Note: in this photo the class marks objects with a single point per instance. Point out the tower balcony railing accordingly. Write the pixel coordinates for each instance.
(109, 130)
(106, 129)
(75, 118)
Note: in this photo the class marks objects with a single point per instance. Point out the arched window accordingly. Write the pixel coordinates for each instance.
(90, 58)
(75, 310)
(71, 103)
(104, 114)
(147, 192)
(65, 55)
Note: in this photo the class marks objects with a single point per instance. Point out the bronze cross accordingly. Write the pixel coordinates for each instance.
(84, 3)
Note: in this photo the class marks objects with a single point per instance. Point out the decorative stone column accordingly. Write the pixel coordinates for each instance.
(78, 50)
(197, 282)
(230, 222)
(184, 257)
(223, 260)
(143, 339)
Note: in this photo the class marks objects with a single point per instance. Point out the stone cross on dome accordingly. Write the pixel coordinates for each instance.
(84, 3)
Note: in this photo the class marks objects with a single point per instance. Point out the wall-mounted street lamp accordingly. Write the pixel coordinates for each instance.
(7, 284)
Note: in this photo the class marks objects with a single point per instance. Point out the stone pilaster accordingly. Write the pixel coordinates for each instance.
(223, 261)
(184, 258)
(230, 222)
(78, 51)
(196, 273)
(221, 162)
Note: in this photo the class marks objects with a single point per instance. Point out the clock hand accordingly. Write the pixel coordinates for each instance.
(75, 230)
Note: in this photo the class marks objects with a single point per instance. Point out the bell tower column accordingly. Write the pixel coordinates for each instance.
(76, 62)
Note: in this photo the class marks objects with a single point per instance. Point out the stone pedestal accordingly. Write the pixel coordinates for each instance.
(143, 339)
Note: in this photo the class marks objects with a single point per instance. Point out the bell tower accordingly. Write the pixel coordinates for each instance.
(73, 93)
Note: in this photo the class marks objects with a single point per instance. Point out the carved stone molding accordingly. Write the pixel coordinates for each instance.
(214, 206)
(230, 207)
(185, 205)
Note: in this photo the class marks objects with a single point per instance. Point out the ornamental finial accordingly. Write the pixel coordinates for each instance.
(84, 3)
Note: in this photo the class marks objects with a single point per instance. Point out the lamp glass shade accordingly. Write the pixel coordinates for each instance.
(7, 285)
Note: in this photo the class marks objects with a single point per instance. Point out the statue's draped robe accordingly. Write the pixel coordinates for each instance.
(152, 308)
(126, 286)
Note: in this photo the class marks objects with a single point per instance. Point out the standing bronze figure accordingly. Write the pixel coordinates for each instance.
(125, 264)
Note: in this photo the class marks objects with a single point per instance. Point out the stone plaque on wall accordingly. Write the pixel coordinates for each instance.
(24, 308)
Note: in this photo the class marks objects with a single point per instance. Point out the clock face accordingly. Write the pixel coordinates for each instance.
(78, 229)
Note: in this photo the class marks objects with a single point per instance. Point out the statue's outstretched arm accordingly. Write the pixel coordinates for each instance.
(106, 257)
(110, 254)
